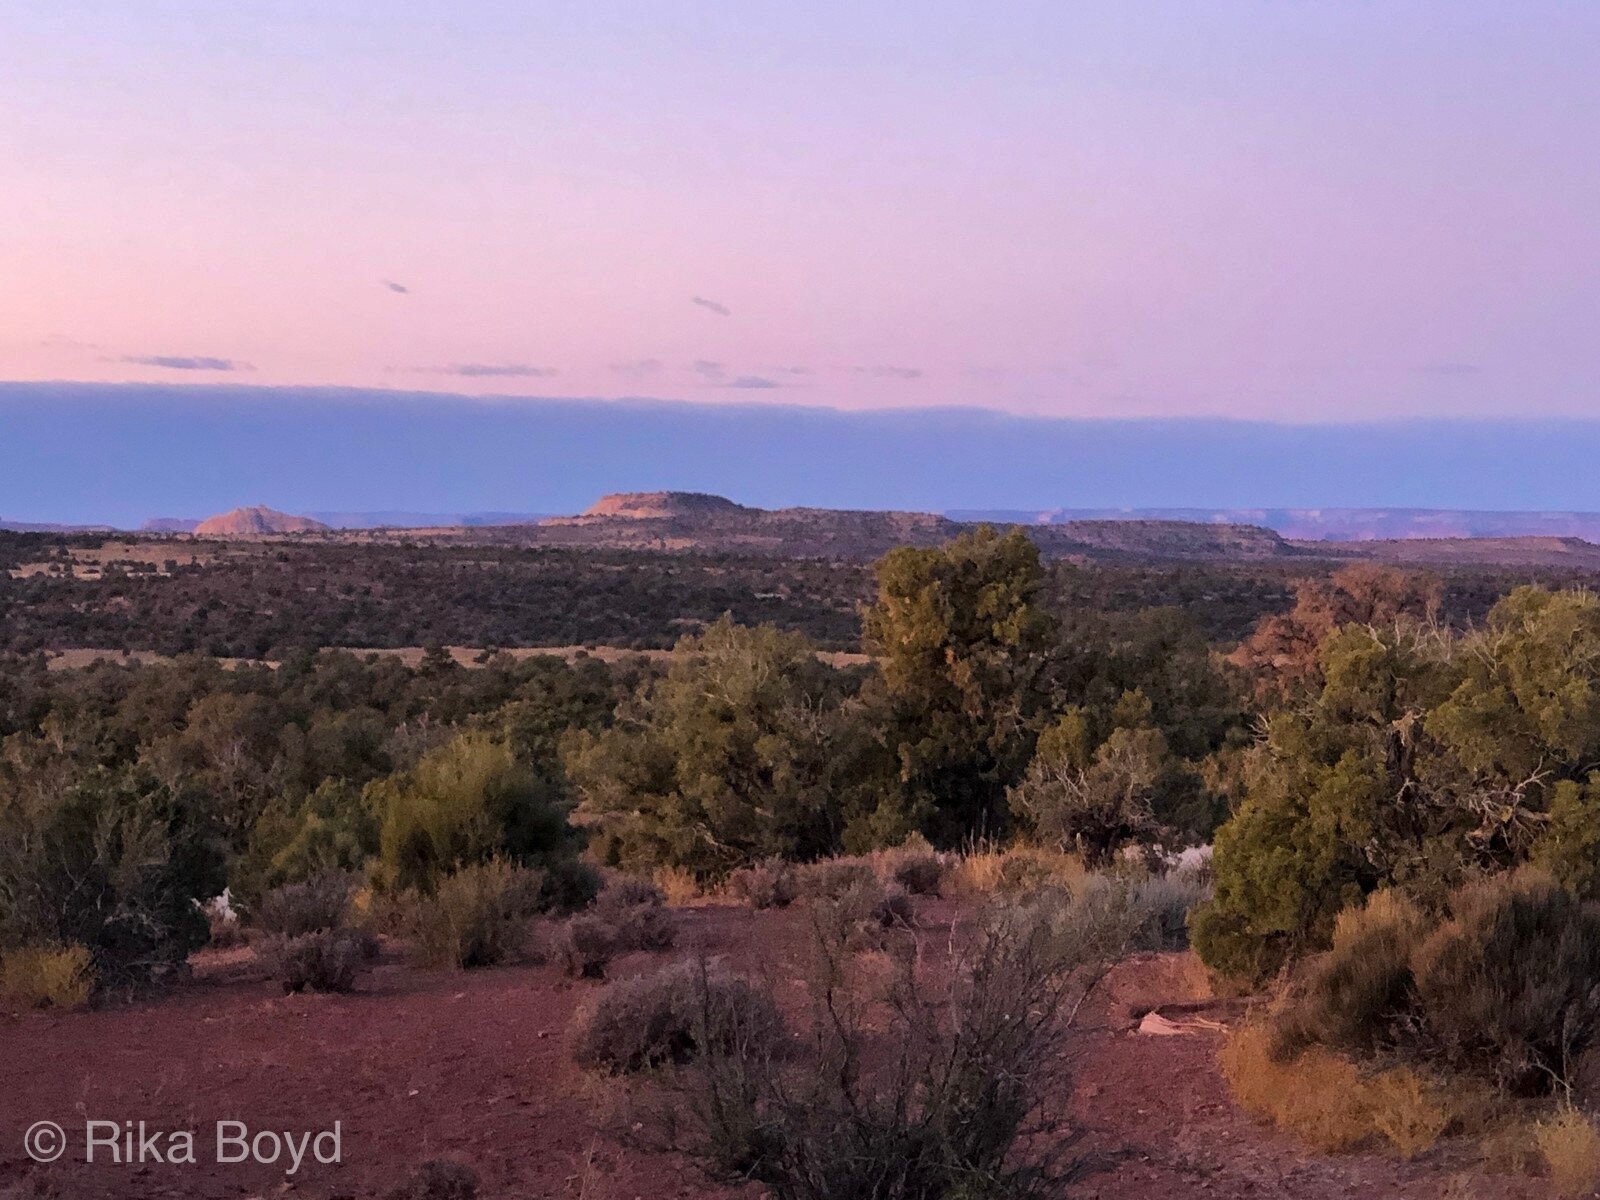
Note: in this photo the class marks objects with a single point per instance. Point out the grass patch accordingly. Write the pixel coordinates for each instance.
(53, 977)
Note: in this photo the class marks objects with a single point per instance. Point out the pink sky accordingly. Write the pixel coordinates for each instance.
(1305, 211)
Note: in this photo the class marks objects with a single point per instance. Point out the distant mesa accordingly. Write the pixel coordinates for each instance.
(169, 525)
(659, 505)
(255, 521)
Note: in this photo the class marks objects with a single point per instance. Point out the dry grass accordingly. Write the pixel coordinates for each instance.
(677, 885)
(46, 977)
(1324, 1099)
(986, 869)
(1409, 1111)
(1570, 1146)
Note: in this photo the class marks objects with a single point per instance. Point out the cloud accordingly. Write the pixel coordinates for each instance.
(722, 310)
(892, 372)
(1454, 369)
(397, 287)
(493, 371)
(752, 381)
(638, 368)
(187, 362)
(710, 371)
(792, 371)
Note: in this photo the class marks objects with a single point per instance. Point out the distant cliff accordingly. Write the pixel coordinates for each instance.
(255, 522)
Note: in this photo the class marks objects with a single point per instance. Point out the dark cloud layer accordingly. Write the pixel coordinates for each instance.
(187, 362)
(83, 453)
(892, 372)
(493, 371)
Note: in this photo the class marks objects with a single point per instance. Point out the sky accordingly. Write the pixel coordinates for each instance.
(1309, 212)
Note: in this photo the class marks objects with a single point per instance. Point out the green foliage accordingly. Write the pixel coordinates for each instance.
(332, 829)
(1094, 803)
(962, 643)
(1423, 757)
(476, 916)
(54, 977)
(728, 759)
(465, 802)
(105, 859)
(1569, 845)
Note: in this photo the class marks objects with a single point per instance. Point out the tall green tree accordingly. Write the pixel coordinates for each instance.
(734, 755)
(1423, 758)
(962, 644)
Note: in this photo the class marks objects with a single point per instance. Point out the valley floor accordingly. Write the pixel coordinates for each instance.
(474, 1067)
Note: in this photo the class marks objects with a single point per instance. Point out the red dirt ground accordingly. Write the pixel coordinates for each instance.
(473, 1067)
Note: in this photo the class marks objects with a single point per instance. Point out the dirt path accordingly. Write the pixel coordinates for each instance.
(473, 1067)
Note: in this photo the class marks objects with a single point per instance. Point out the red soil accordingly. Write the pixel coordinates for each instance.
(473, 1067)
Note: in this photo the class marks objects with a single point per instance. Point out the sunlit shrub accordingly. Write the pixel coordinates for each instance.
(53, 977)
(1570, 1146)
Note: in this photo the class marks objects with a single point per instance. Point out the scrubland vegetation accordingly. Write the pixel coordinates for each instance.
(1403, 809)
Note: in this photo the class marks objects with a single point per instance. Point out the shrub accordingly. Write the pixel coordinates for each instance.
(637, 915)
(924, 1092)
(1163, 904)
(629, 892)
(1507, 986)
(650, 1021)
(478, 916)
(830, 878)
(1324, 1098)
(104, 859)
(321, 902)
(1408, 1111)
(1094, 804)
(1358, 996)
(857, 918)
(771, 883)
(678, 885)
(46, 977)
(327, 960)
(1571, 1149)
(569, 884)
(1504, 989)
(466, 802)
(919, 873)
(585, 945)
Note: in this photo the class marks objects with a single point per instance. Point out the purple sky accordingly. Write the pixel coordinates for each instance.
(1308, 211)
